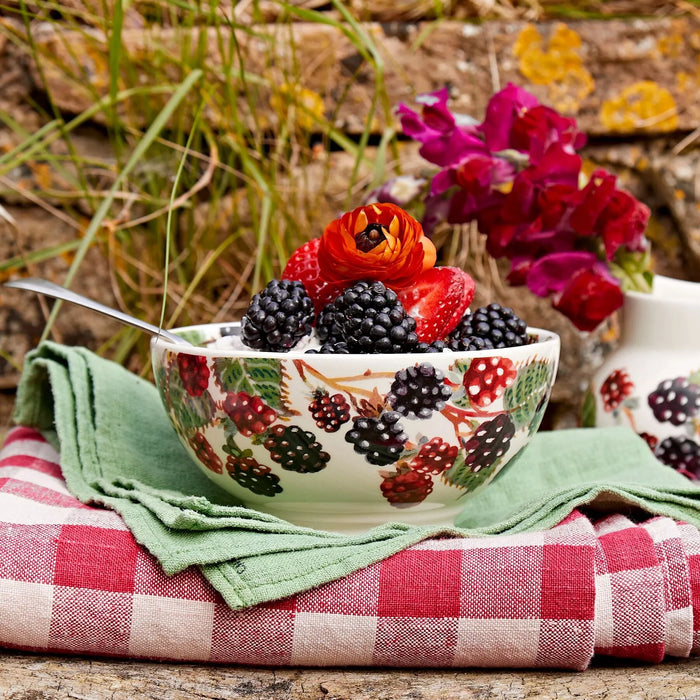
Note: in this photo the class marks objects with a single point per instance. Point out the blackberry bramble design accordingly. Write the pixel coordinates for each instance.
(650, 380)
(344, 443)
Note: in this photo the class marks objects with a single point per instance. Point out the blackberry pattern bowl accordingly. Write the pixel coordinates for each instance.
(347, 442)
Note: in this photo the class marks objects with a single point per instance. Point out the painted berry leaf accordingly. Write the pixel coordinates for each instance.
(523, 397)
(255, 376)
(190, 412)
(462, 476)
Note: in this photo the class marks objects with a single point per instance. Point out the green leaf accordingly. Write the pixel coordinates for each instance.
(194, 337)
(522, 398)
(191, 411)
(256, 376)
(137, 155)
(588, 410)
(461, 476)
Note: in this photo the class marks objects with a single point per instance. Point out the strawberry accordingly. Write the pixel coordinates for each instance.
(437, 301)
(303, 266)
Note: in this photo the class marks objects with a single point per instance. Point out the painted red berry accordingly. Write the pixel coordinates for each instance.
(194, 373)
(205, 453)
(650, 439)
(434, 457)
(250, 413)
(406, 488)
(329, 411)
(487, 379)
(615, 389)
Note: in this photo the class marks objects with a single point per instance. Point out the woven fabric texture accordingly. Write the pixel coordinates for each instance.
(73, 579)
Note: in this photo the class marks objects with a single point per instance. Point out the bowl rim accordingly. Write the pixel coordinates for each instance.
(546, 339)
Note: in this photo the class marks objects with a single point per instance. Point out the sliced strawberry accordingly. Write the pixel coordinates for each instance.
(303, 266)
(437, 301)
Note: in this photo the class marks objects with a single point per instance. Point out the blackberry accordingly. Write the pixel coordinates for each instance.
(250, 413)
(489, 443)
(675, 400)
(194, 373)
(205, 453)
(328, 329)
(329, 412)
(250, 474)
(683, 454)
(434, 457)
(435, 346)
(338, 348)
(371, 319)
(495, 323)
(406, 488)
(418, 391)
(295, 449)
(380, 439)
(469, 344)
(278, 317)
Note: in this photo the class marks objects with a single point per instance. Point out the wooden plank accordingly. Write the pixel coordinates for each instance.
(48, 677)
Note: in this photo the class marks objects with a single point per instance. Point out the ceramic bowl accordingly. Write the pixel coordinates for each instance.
(347, 442)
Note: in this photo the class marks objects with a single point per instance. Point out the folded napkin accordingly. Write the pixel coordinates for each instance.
(119, 450)
(73, 579)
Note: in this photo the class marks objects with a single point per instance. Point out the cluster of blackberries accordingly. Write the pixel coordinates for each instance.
(367, 317)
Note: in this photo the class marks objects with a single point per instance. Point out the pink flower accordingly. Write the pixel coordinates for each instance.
(444, 141)
(475, 182)
(589, 298)
(557, 167)
(502, 111)
(551, 273)
(615, 216)
(517, 174)
(536, 129)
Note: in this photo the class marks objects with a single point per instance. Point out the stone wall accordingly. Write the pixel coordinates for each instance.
(633, 85)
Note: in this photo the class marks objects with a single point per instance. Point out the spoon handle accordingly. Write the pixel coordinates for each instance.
(34, 284)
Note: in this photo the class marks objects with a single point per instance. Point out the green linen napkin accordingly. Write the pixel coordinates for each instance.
(118, 449)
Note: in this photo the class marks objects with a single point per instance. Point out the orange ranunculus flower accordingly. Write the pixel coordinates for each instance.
(379, 242)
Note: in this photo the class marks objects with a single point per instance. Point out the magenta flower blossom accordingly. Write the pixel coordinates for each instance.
(444, 142)
(617, 217)
(504, 108)
(589, 298)
(536, 129)
(551, 273)
(518, 175)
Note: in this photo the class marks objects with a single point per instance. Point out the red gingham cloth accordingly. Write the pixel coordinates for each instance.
(72, 579)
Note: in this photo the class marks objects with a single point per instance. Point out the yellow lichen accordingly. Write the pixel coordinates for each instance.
(643, 106)
(303, 105)
(671, 45)
(686, 82)
(557, 65)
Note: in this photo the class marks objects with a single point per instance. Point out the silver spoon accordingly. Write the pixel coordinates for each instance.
(34, 284)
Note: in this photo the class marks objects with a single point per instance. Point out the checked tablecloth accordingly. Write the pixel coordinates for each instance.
(73, 579)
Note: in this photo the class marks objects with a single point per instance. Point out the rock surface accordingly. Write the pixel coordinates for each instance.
(616, 77)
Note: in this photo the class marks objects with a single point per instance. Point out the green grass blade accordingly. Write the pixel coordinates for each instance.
(169, 218)
(138, 153)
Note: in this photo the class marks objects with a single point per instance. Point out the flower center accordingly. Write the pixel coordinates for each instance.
(370, 238)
